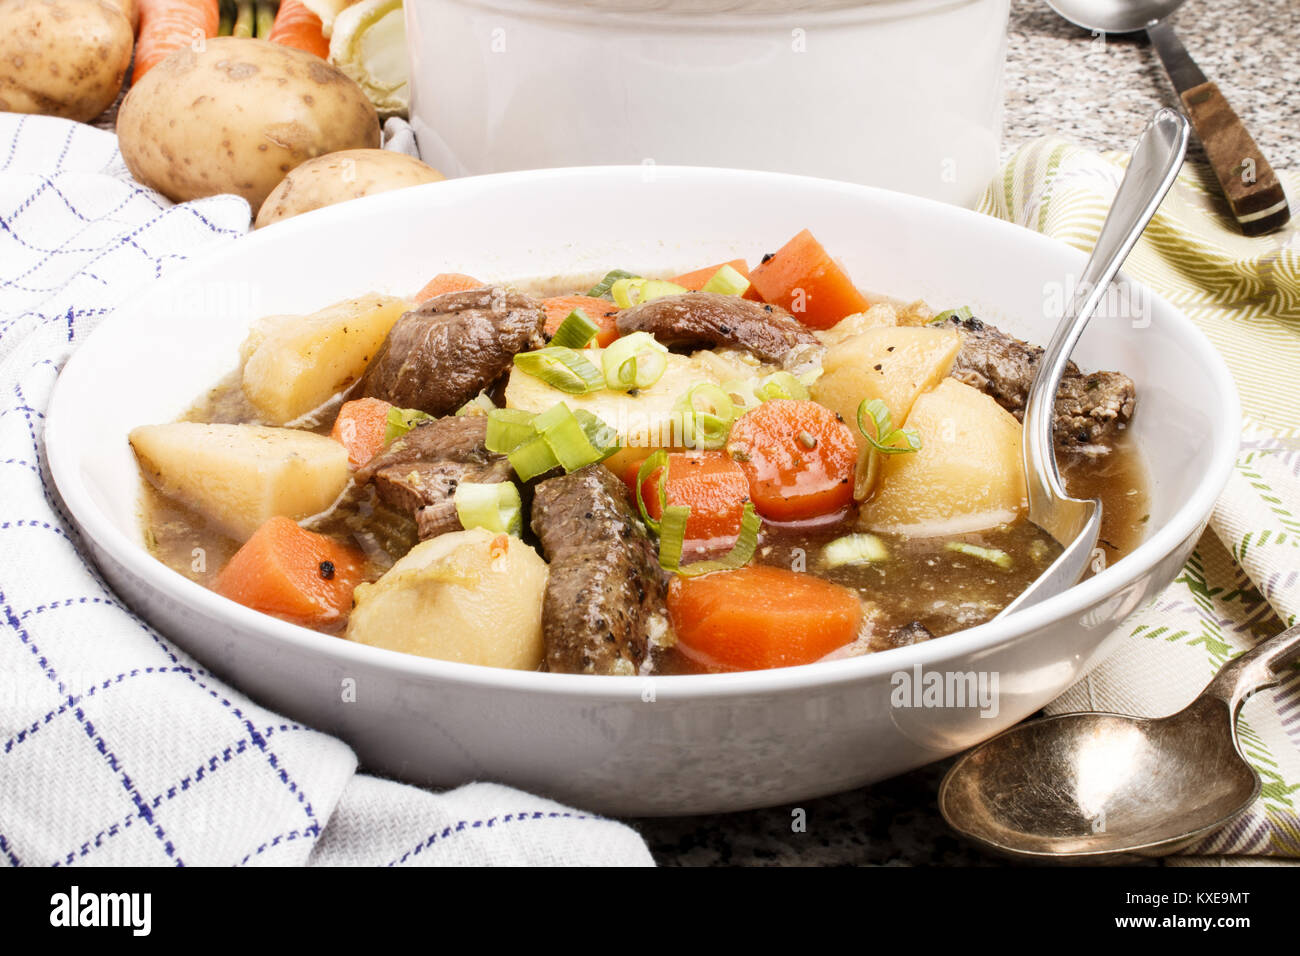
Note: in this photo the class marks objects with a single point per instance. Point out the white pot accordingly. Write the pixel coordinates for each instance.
(902, 94)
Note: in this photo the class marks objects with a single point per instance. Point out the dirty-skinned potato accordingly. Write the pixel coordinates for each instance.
(62, 57)
(237, 117)
(347, 174)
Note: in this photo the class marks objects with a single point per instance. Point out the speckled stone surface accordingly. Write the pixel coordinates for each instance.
(1059, 81)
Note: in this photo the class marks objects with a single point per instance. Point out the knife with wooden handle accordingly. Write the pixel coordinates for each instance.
(1249, 183)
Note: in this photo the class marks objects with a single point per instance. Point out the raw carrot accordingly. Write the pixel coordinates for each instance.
(695, 280)
(445, 282)
(170, 25)
(298, 27)
(715, 489)
(803, 278)
(759, 617)
(600, 311)
(361, 428)
(292, 573)
(799, 458)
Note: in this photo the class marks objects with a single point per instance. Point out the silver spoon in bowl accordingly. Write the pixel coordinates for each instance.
(1076, 523)
(1106, 788)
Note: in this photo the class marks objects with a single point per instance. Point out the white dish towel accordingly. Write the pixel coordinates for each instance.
(115, 746)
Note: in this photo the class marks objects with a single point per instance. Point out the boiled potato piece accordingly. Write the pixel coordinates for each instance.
(894, 365)
(469, 596)
(296, 364)
(238, 476)
(968, 474)
(880, 315)
(236, 116)
(644, 420)
(347, 174)
(62, 57)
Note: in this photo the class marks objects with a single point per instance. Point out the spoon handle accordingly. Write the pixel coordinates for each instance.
(1254, 669)
(1151, 171)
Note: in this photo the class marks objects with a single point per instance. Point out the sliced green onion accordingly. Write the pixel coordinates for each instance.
(562, 368)
(493, 506)
(672, 539)
(960, 314)
(634, 361)
(630, 292)
(568, 441)
(507, 429)
(854, 549)
(781, 385)
(993, 555)
(601, 289)
(480, 404)
(707, 412)
(401, 421)
(575, 331)
(556, 438)
(534, 457)
(658, 460)
(810, 376)
(726, 281)
(885, 438)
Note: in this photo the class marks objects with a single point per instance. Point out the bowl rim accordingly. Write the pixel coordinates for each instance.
(134, 559)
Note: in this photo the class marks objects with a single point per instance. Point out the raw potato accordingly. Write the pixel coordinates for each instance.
(892, 364)
(237, 117)
(968, 475)
(238, 476)
(347, 174)
(469, 596)
(62, 57)
(297, 363)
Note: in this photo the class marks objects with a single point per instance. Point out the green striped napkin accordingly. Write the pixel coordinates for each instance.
(1242, 583)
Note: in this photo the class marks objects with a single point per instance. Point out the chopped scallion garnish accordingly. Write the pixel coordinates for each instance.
(401, 421)
(726, 281)
(672, 540)
(494, 506)
(575, 331)
(781, 385)
(885, 438)
(961, 315)
(601, 289)
(992, 555)
(507, 429)
(658, 460)
(854, 549)
(634, 361)
(562, 368)
(480, 404)
(707, 412)
(630, 292)
(555, 438)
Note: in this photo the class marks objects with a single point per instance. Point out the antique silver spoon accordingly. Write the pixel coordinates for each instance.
(1093, 787)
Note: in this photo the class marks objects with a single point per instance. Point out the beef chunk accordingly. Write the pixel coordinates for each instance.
(452, 347)
(708, 320)
(606, 592)
(1090, 408)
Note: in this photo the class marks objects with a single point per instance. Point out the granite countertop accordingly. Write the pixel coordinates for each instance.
(1059, 81)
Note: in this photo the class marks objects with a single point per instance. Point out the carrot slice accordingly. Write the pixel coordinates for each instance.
(799, 458)
(288, 572)
(361, 428)
(759, 617)
(170, 25)
(600, 311)
(715, 489)
(298, 27)
(445, 282)
(695, 280)
(803, 278)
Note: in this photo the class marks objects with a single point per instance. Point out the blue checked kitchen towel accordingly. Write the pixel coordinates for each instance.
(116, 747)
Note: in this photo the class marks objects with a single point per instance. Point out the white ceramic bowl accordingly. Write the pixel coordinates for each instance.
(903, 94)
(627, 745)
